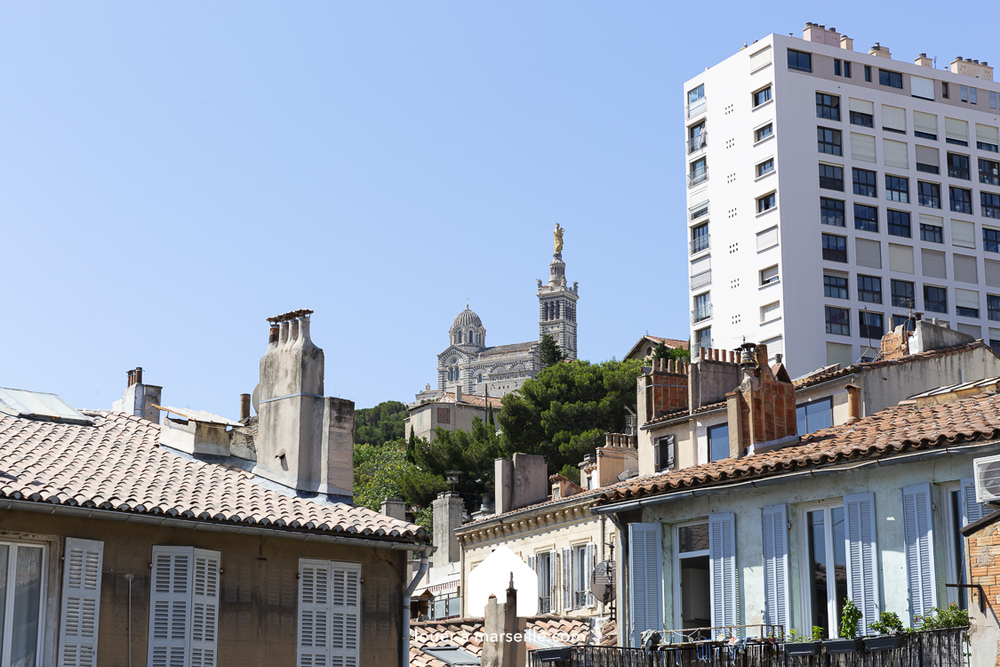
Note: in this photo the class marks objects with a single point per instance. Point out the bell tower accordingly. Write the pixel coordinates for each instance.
(557, 302)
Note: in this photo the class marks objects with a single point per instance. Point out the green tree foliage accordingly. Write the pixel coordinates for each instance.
(378, 470)
(380, 424)
(565, 411)
(551, 354)
(661, 351)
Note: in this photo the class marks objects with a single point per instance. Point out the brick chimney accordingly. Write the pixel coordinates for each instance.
(305, 440)
(662, 388)
(762, 409)
(139, 399)
(618, 455)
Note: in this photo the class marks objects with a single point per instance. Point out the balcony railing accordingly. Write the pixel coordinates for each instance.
(697, 142)
(701, 279)
(701, 313)
(696, 108)
(697, 176)
(700, 243)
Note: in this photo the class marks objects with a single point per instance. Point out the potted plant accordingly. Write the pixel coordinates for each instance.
(890, 630)
(848, 642)
(951, 616)
(804, 644)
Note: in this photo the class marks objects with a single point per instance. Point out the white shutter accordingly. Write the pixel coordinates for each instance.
(965, 271)
(767, 238)
(314, 613)
(862, 106)
(862, 147)
(759, 59)
(589, 573)
(893, 118)
(81, 600)
(533, 564)
(862, 575)
(645, 579)
(956, 129)
(992, 271)
(170, 606)
(986, 134)
(933, 263)
(345, 615)
(722, 552)
(919, 549)
(205, 609)
(966, 298)
(922, 87)
(894, 154)
(567, 580)
(775, 565)
(924, 122)
(869, 253)
(900, 258)
(927, 155)
(963, 234)
(553, 578)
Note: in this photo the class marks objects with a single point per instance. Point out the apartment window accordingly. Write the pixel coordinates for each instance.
(814, 416)
(699, 171)
(989, 172)
(829, 141)
(891, 79)
(847, 69)
(702, 307)
(699, 210)
(834, 287)
(22, 609)
(966, 311)
(827, 106)
(902, 294)
(870, 289)
(935, 299)
(868, 73)
(897, 189)
(583, 566)
(905, 320)
(929, 194)
(987, 146)
(991, 239)
(862, 119)
(762, 96)
(762, 133)
(898, 223)
(871, 325)
(702, 338)
(664, 450)
(696, 137)
(767, 202)
(831, 177)
(699, 238)
(826, 547)
(993, 307)
(838, 321)
(990, 204)
(968, 94)
(864, 182)
(836, 67)
(931, 233)
(925, 167)
(866, 218)
(765, 167)
(834, 248)
(184, 607)
(831, 212)
(769, 312)
(944, 89)
(545, 568)
(799, 61)
(696, 100)
(769, 275)
(718, 442)
(993, 100)
(960, 200)
(958, 166)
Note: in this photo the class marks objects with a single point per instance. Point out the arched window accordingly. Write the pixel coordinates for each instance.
(469, 339)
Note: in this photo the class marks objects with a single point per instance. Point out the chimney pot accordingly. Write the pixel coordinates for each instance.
(244, 406)
(131, 379)
(777, 357)
(458, 393)
(853, 403)
(138, 374)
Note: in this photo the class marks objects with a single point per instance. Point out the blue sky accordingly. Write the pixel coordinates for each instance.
(171, 174)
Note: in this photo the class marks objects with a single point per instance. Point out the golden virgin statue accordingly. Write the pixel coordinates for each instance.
(558, 234)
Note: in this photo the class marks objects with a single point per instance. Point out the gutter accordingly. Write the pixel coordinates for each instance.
(404, 649)
(661, 499)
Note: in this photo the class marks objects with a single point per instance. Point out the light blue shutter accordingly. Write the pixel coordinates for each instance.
(645, 579)
(862, 575)
(588, 575)
(918, 537)
(722, 551)
(170, 606)
(81, 600)
(567, 580)
(971, 510)
(553, 578)
(775, 544)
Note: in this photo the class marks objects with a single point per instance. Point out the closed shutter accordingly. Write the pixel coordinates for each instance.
(767, 238)
(314, 613)
(928, 155)
(922, 87)
(588, 574)
(759, 59)
(170, 606)
(966, 298)
(81, 600)
(963, 234)
(893, 118)
(862, 147)
(862, 576)
(869, 253)
(919, 549)
(933, 264)
(986, 134)
(901, 258)
(567, 580)
(894, 154)
(533, 564)
(722, 553)
(645, 577)
(775, 565)
(956, 129)
(205, 609)
(965, 272)
(553, 578)
(862, 106)
(701, 265)
(992, 271)
(971, 510)
(345, 615)
(924, 122)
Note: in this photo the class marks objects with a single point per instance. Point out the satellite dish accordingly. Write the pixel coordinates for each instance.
(255, 399)
(602, 581)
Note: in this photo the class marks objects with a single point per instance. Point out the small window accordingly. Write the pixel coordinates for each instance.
(765, 167)
(838, 321)
(829, 141)
(665, 451)
(864, 183)
(991, 239)
(866, 218)
(834, 248)
(831, 177)
(769, 275)
(699, 238)
(870, 289)
(814, 416)
(898, 223)
(897, 188)
(929, 194)
(837, 67)
(762, 133)
(799, 61)
(847, 70)
(827, 106)
(862, 119)
(960, 200)
(958, 166)
(718, 442)
(699, 210)
(702, 307)
(696, 94)
(834, 287)
(990, 205)
(986, 146)
(989, 172)
(902, 294)
(872, 325)
(769, 312)
(767, 202)
(762, 96)
(868, 73)
(831, 212)
(931, 233)
(944, 89)
(935, 299)
(698, 171)
(891, 79)
(993, 307)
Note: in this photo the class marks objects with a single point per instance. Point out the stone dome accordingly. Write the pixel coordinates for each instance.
(467, 318)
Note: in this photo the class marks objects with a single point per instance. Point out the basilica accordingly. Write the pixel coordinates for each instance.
(469, 366)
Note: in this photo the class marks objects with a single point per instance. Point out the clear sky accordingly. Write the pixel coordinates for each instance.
(173, 173)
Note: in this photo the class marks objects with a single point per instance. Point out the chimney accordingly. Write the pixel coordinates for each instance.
(458, 393)
(244, 406)
(813, 32)
(503, 631)
(712, 377)
(395, 508)
(618, 455)
(879, 51)
(761, 411)
(971, 68)
(923, 61)
(662, 389)
(139, 399)
(447, 511)
(305, 441)
(521, 482)
(853, 403)
(846, 43)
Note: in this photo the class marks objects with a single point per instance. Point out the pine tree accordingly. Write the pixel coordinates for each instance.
(411, 446)
(551, 353)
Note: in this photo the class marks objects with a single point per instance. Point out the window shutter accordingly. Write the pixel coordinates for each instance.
(919, 549)
(971, 510)
(533, 564)
(759, 59)
(862, 106)
(645, 579)
(862, 147)
(933, 263)
(922, 87)
(314, 613)
(862, 577)
(924, 122)
(928, 155)
(567, 580)
(963, 234)
(900, 258)
(767, 238)
(956, 129)
(345, 614)
(589, 573)
(170, 606)
(671, 451)
(992, 270)
(553, 578)
(966, 271)
(722, 551)
(893, 118)
(205, 608)
(966, 298)
(894, 154)
(987, 134)
(81, 600)
(775, 565)
(869, 253)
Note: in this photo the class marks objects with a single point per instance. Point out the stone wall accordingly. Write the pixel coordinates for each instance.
(983, 548)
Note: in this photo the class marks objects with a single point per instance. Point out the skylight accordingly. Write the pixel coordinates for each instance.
(39, 405)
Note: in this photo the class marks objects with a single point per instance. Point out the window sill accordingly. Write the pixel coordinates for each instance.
(766, 139)
(770, 284)
(764, 104)
(766, 322)
(761, 178)
(763, 213)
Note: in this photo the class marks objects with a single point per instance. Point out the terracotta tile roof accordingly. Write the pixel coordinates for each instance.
(470, 399)
(589, 493)
(466, 634)
(118, 465)
(684, 412)
(892, 431)
(669, 342)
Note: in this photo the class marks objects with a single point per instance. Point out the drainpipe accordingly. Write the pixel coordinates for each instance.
(404, 655)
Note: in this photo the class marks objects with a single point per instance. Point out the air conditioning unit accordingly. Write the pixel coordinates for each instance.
(987, 474)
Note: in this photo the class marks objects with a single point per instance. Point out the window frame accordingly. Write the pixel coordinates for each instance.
(930, 199)
(844, 326)
(829, 253)
(829, 141)
(763, 133)
(828, 212)
(767, 202)
(897, 189)
(899, 223)
(961, 204)
(715, 428)
(827, 106)
(990, 175)
(958, 170)
(864, 188)
(828, 400)
(991, 209)
(797, 66)
(865, 325)
(928, 301)
(42, 651)
(842, 291)
(831, 181)
(862, 119)
(866, 224)
(869, 289)
(931, 233)
(827, 507)
(761, 96)
(764, 168)
(889, 78)
(902, 300)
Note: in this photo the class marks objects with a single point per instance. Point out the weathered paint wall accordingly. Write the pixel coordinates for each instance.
(983, 548)
(258, 589)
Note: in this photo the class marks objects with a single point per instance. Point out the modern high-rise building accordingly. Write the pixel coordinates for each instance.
(833, 193)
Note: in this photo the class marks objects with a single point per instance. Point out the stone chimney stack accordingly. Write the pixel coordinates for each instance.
(762, 409)
(521, 482)
(305, 441)
(139, 399)
(447, 511)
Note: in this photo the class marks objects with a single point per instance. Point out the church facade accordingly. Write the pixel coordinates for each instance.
(470, 365)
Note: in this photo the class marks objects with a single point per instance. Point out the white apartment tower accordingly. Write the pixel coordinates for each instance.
(832, 193)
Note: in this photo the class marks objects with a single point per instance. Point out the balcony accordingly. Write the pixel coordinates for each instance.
(701, 313)
(700, 243)
(697, 176)
(696, 108)
(701, 279)
(697, 142)
(698, 344)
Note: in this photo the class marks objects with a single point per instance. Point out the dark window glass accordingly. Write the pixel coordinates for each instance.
(762, 96)
(929, 194)
(762, 133)
(718, 440)
(991, 239)
(924, 135)
(862, 119)
(960, 200)
(827, 106)
(799, 61)
(831, 177)
(837, 321)
(963, 311)
(897, 189)
(990, 204)
(956, 142)
(829, 141)
(902, 294)
(766, 203)
(831, 212)
(847, 70)
(870, 289)
(958, 166)
(836, 67)
(834, 248)
(993, 307)
(928, 168)
(871, 325)
(814, 416)
(868, 73)
(986, 146)
(931, 233)
(699, 238)
(989, 172)
(864, 182)
(898, 223)
(903, 319)
(866, 218)
(891, 79)
(835, 287)
(935, 299)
